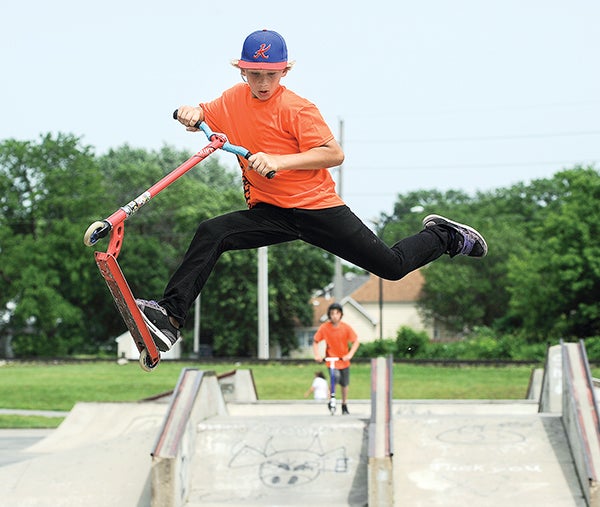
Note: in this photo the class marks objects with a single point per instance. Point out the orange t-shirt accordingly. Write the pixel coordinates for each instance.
(284, 124)
(337, 339)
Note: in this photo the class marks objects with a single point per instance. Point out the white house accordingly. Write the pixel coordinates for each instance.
(126, 348)
(374, 307)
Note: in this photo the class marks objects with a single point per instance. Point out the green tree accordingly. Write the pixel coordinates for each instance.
(541, 276)
(457, 291)
(554, 288)
(48, 191)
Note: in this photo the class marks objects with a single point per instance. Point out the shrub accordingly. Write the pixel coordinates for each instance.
(379, 347)
(483, 343)
(592, 348)
(410, 343)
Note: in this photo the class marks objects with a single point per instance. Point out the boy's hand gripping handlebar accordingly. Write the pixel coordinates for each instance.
(231, 148)
(331, 361)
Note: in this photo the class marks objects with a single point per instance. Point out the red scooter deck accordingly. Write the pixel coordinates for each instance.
(119, 288)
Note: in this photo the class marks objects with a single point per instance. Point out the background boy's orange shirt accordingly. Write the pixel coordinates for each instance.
(337, 339)
(284, 124)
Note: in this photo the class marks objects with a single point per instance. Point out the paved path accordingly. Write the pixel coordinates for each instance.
(40, 413)
(13, 442)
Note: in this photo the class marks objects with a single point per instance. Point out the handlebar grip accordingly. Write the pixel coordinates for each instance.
(176, 112)
(270, 174)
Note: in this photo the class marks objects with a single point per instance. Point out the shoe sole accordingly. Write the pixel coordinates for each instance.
(157, 333)
(429, 218)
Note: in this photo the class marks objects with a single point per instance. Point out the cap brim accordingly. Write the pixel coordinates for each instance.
(242, 64)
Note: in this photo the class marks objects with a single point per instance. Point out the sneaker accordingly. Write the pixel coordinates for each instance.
(465, 240)
(345, 409)
(163, 332)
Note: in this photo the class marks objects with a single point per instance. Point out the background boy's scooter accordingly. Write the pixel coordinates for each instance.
(332, 379)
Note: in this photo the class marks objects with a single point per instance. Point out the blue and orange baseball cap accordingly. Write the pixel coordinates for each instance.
(263, 49)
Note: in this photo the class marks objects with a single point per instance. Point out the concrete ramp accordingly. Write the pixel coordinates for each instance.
(497, 455)
(487, 460)
(280, 460)
(256, 453)
(99, 456)
(93, 423)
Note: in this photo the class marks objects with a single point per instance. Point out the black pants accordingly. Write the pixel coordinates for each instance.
(337, 230)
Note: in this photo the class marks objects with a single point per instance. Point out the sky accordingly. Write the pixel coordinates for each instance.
(470, 95)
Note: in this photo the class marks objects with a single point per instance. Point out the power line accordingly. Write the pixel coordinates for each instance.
(472, 108)
(476, 165)
(504, 137)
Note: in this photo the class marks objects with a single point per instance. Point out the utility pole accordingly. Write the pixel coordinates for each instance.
(263, 303)
(337, 274)
(197, 327)
(380, 308)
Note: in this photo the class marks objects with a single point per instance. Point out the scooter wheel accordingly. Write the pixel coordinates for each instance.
(145, 363)
(87, 237)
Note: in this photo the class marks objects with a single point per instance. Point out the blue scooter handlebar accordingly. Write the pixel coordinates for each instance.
(231, 148)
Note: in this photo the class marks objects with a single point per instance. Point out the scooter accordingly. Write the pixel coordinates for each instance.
(114, 225)
(332, 376)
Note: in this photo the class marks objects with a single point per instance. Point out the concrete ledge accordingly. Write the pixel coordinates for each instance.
(176, 443)
(580, 417)
(380, 484)
(238, 385)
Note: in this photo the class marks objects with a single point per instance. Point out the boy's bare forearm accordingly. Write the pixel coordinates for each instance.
(353, 350)
(328, 155)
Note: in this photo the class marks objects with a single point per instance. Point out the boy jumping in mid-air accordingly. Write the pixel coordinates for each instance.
(288, 136)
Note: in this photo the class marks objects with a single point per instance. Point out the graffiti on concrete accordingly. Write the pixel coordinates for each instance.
(486, 434)
(284, 467)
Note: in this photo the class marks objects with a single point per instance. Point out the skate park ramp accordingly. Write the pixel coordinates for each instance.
(97, 456)
(278, 460)
(258, 453)
(517, 454)
(212, 444)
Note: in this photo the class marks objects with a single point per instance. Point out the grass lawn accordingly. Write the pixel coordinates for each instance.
(29, 422)
(59, 386)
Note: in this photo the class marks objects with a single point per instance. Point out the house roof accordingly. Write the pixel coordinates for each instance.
(406, 290)
(350, 282)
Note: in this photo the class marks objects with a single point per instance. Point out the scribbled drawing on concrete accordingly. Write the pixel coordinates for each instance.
(289, 467)
(484, 434)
